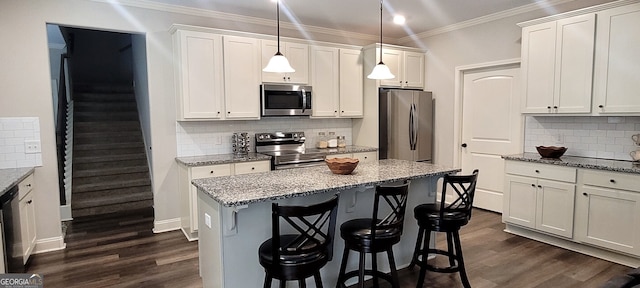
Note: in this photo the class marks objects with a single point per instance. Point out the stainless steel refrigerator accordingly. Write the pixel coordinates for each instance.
(406, 125)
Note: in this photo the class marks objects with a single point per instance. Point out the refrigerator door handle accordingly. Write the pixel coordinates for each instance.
(414, 111)
(411, 128)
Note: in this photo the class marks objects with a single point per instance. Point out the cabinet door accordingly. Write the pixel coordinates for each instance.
(200, 75)
(554, 207)
(616, 79)
(298, 56)
(609, 218)
(520, 201)
(413, 70)
(393, 60)
(242, 77)
(268, 49)
(198, 173)
(574, 64)
(538, 66)
(347, 155)
(351, 83)
(366, 157)
(28, 225)
(325, 81)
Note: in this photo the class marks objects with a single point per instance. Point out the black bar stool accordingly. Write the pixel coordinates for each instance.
(374, 235)
(447, 218)
(301, 255)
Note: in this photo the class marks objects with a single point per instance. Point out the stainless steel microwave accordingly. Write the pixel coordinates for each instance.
(285, 100)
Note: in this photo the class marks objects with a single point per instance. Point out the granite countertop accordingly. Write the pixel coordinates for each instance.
(11, 177)
(580, 162)
(194, 161)
(348, 149)
(250, 188)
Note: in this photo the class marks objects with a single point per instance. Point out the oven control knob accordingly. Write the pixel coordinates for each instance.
(261, 137)
(295, 135)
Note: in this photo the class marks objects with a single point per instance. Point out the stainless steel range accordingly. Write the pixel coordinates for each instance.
(287, 150)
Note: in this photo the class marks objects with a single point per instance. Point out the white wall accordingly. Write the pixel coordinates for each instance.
(492, 41)
(141, 89)
(28, 82)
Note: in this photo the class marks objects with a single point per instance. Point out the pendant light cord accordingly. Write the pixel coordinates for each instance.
(381, 32)
(278, 25)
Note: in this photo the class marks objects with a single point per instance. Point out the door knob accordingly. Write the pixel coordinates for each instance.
(464, 145)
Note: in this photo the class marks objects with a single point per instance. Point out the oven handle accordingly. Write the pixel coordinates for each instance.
(299, 165)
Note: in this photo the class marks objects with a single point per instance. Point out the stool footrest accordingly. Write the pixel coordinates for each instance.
(449, 269)
(355, 273)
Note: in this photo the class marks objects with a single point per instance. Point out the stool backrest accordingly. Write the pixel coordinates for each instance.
(463, 189)
(395, 198)
(314, 226)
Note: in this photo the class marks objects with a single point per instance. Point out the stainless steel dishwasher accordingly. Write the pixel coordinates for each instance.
(11, 232)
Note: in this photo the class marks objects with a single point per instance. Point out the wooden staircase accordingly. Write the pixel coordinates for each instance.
(110, 169)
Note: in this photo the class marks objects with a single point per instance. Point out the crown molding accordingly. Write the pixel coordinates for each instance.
(483, 19)
(587, 10)
(151, 5)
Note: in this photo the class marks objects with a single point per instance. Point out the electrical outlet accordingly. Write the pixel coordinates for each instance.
(32, 146)
(207, 220)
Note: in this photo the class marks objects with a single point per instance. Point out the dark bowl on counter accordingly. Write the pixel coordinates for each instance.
(552, 152)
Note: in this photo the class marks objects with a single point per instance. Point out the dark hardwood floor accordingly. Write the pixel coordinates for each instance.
(122, 251)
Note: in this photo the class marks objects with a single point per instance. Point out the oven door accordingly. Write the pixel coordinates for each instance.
(285, 100)
(300, 165)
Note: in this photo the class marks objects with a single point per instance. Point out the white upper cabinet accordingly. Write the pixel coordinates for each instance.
(407, 66)
(242, 77)
(200, 75)
(616, 79)
(336, 77)
(557, 65)
(351, 83)
(298, 56)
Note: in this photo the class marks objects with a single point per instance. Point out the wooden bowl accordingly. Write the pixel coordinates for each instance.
(342, 166)
(553, 152)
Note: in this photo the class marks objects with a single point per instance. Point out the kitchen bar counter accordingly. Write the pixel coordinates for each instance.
(234, 214)
(11, 177)
(193, 161)
(580, 162)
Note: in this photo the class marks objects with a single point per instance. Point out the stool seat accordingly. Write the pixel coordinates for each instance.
(440, 222)
(357, 235)
(315, 258)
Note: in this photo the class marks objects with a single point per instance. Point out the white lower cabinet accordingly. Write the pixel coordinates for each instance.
(189, 193)
(27, 216)
(540, 197)
(364, 157)
(608, 211)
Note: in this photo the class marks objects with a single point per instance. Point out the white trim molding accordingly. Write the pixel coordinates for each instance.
(166, 225)
(587, 10)
(49, 245)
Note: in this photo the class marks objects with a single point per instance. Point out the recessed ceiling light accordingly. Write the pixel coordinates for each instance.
(399, 19)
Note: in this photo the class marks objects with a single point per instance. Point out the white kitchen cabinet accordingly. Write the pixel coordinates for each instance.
(616, 80)
(342, 155)
(336, 77)
(241, 77)
(298, 56)
(200, 85)
(540, 197)
(608, 211)
(557, 65)
(366, 157)
(407, 66)
(27, 216)
(189, 193)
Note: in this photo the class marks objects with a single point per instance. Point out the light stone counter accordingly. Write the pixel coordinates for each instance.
(580, 162)
(11, 177)
(234, 214)
(194, 161)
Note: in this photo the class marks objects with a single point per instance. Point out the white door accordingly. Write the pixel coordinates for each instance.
(491, 127)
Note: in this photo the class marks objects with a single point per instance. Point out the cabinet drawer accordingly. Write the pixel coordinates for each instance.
(366, 157)
(612, 180)
(252, 167)
(330, 156)
(25, 186)
(543, 171)
(211, 171)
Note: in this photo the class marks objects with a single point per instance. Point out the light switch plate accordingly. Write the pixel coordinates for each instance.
(207, 220)
(32, 146)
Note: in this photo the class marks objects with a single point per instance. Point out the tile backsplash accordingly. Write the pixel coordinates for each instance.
(214, 137)
(599, 137)
(14, 131)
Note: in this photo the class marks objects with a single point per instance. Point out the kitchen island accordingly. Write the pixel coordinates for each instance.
(234, 213)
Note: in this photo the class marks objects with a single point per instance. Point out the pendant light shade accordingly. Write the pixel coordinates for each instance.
(381, 71)
(278, 63)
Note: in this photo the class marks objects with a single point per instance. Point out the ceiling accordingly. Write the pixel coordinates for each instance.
(362, 16)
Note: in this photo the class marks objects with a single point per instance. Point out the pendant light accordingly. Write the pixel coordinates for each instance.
(278, 63)
(381, 71)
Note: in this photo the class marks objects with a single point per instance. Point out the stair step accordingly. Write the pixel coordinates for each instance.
(103, 97)
(115, 192)
(109, 106)
(109, 171)
(112, 178)
(105, 116)
(90, 187)
(107, 152)
(107, 137)
(79, 166)
(111, 208)
(103, 87)
(108, 158)
(101, 146)
(105, 200)
(106, 126)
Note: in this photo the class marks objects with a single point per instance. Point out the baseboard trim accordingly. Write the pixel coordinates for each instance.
(49, 245)
(574, 246)
(166, 225)
(65, 213)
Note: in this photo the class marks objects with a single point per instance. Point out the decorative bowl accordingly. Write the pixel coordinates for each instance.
(342, 166)
(553, 152)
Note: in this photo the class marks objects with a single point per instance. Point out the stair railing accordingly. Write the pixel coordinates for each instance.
(64, 98)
